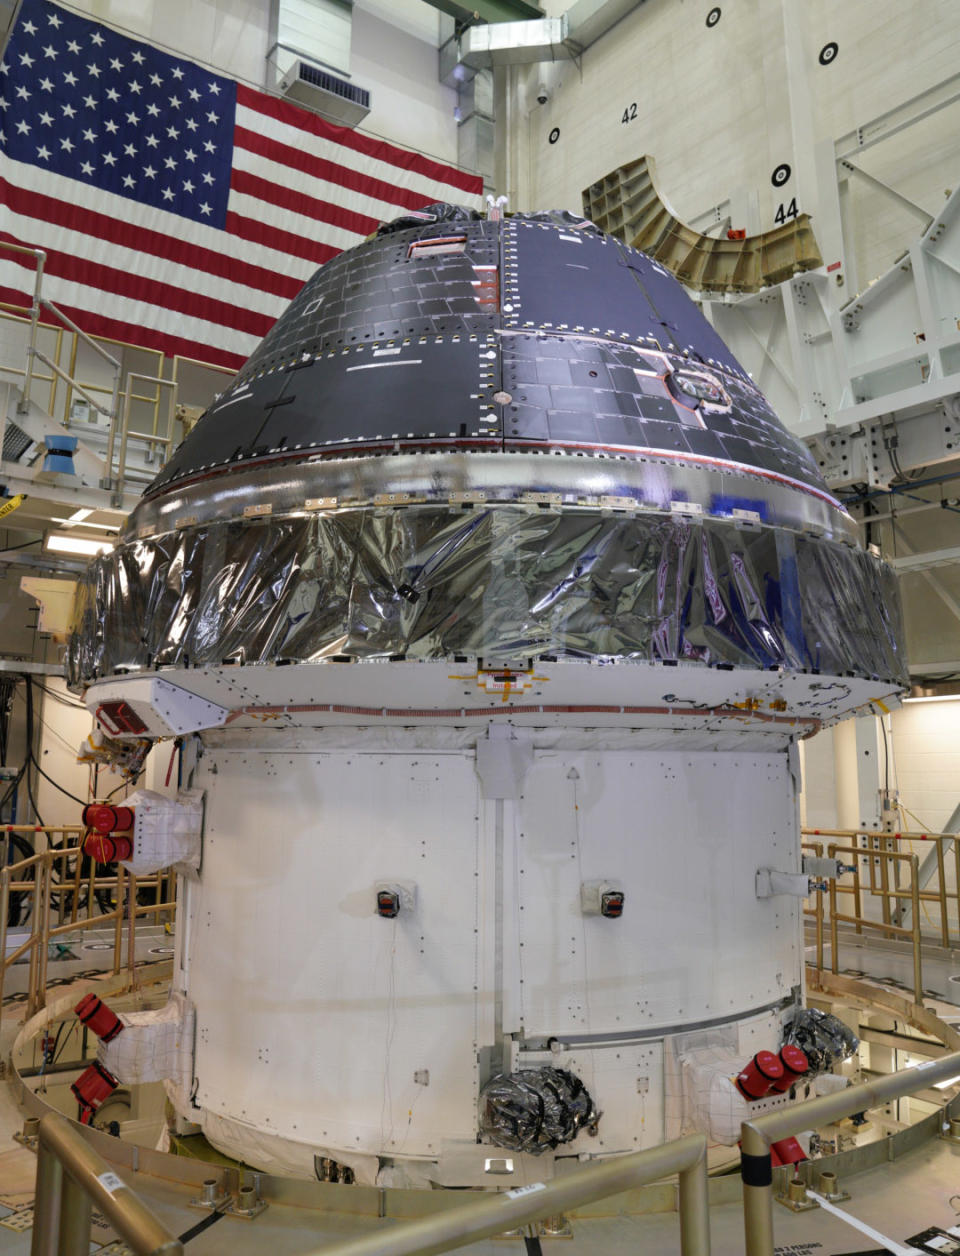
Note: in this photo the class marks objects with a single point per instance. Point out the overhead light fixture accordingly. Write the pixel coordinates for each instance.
(78, 516)
(64, 543)
(951, 1081)
(935, 697)
(74, 522)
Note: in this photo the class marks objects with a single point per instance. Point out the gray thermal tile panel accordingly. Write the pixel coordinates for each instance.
(389, 287)
(581, 282)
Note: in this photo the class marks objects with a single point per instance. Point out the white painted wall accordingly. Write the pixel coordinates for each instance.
(398, 64)
(926, 760)
(394, 55)
(713, 109)
(924, 767)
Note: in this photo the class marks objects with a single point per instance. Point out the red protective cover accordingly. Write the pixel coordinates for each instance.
(94, 1085)
(760, 1075)
(107, 848)
(99, 1018)
(787, 1151)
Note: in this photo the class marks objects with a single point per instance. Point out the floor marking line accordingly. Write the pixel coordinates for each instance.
(891, 1245)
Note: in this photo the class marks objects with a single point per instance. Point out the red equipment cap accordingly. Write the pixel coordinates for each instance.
(104, 818)
(795, 1064)
(94, 1085)
(102, 1020)
(759, 1075)
(106, 848)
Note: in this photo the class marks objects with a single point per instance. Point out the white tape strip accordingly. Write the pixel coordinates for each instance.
(891, 1245)
(519, 1191)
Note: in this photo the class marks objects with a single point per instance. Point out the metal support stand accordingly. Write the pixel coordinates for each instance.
(796, 1198)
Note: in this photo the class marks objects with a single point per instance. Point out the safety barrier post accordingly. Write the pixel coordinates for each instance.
(758, 1135)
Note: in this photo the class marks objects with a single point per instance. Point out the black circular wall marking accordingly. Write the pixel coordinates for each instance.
(554, 135)
(713, 17)
(828, 53)
(780, 175)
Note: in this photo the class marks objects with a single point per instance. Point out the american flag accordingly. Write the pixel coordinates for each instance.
(180, 210)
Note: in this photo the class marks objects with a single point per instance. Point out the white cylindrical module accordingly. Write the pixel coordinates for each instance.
(490, 601)
(324, 1026)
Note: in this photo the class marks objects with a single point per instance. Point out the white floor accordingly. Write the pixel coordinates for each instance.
(899, 1200)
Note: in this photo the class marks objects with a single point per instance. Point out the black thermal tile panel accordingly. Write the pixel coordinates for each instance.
(432, 389)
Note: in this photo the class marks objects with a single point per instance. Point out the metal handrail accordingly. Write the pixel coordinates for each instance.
(40, 302)
(167, 442)
(758, 1135)
(507, 1210)
(71, 1179)
(887, 928)
(112, 412)
(41, 929)
(62, 374)
(817, 910)
(940, 896)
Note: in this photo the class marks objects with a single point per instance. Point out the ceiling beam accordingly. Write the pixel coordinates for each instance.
(948, 557)
(488, 10)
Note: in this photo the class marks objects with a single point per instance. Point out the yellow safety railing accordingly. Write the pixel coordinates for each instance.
(16, 315)
(56, 892)
(71, 1178)
(861, 922)
(120, 432)
(816, 911)
(945, 895)
(892, 877)
(759, 1134)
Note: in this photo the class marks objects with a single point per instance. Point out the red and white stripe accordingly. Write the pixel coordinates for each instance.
(301, 191)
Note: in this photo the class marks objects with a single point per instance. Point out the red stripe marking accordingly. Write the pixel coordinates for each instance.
(368, 145)
(283, 241)
(719, 712)
(146, 337)
(329, 171)
(168, 247)
(138, 288)
(299, 203)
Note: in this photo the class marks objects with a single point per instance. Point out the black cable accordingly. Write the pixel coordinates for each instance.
(127, 784)
(886, 758)
(29, 731)
(532, 1245)
(13, 787)
(26, 544)
(15, 783)
(54, 783)
(58, 697)
(32, 756)
(56, 1043)
(68, 1037)
(199, 1228)
(33, 802)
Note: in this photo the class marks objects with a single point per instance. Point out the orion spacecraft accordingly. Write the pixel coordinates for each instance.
(490, 600)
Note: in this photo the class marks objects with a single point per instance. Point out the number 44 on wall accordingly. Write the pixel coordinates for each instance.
(785, 212)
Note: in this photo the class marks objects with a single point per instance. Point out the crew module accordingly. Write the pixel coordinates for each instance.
(490, 600)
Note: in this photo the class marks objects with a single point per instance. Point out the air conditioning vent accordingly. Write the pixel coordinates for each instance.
(16, 442)
(324, 93)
